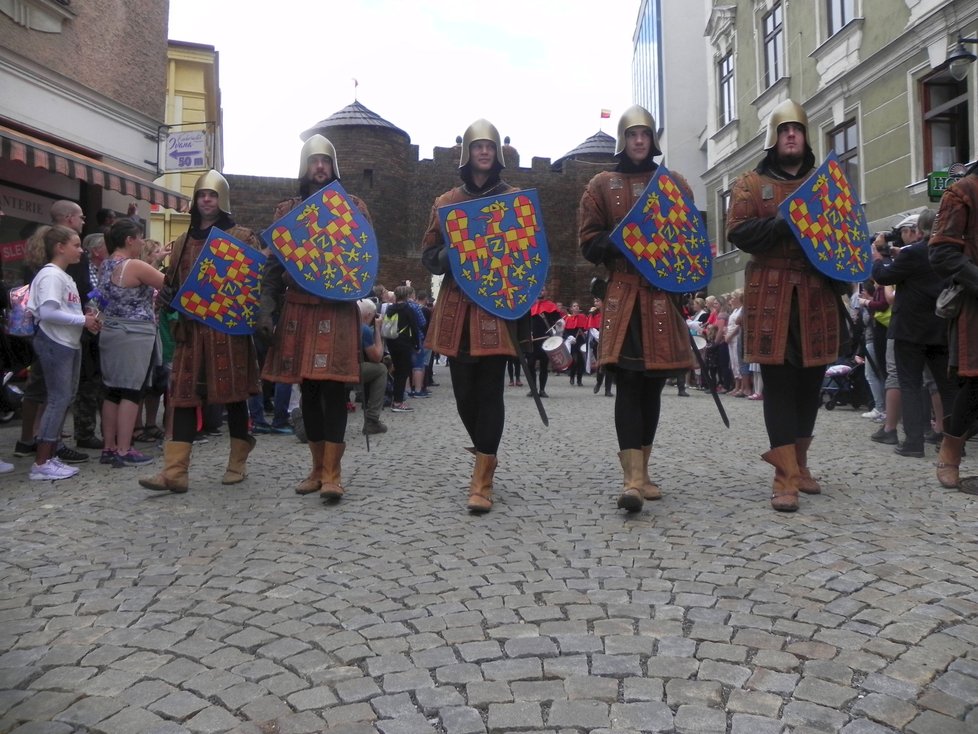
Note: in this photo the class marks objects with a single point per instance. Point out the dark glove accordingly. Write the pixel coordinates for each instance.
(600, 250)
(266, 331)
(781, 228)
(167, 293)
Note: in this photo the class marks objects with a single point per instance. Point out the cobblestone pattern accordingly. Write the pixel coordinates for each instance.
(250, 609)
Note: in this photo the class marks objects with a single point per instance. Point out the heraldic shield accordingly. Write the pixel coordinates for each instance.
(827, 220)
(327, 246)
(223, 289)
(498, 251)
(664, 237)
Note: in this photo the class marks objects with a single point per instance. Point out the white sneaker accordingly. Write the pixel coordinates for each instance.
(52, 470)
(873, 414)
(5, 467)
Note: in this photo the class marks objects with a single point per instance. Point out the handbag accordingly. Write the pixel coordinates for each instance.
(20, 321)
(949, 301)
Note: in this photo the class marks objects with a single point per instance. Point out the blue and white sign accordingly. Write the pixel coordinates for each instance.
(186, 151)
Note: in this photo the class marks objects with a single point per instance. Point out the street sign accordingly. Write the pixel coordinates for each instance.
(186, 151)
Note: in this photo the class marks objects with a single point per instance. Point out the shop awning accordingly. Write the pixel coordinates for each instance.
(37, 153)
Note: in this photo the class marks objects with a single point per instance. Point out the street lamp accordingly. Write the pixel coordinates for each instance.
(960, 59)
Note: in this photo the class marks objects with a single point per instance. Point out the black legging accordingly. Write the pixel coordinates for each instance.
(965, 411)
(532, 373)
(513, 368)
(324, 409)
(478, 388)
(576, 370)
(637, 405)
(401, 357)
(792, 397)
(185, 422)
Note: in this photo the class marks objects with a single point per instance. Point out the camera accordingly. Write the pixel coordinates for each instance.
(889, 238)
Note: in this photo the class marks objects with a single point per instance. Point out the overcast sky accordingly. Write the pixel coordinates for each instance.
(540, 70)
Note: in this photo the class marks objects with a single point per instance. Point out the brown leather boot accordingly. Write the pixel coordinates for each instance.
(331, 488)
(785, 495)
(176, 465)
(949, 461)
(480, 488)
(314, 481)
(240, 448)
(632, 466)
(806, 482)
(650, 490)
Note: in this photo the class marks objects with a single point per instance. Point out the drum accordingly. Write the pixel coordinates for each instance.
(557, 353)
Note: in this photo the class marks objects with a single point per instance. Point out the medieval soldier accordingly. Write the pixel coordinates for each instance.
(313, 341)
(792, 316)
(644, 339)
(954, 254)
(476, 342)
(209, 366)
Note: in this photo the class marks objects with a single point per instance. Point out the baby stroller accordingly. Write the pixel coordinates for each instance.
(845, 384)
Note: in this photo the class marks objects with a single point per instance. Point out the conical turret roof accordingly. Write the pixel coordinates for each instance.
(598, 146)
(353, 115)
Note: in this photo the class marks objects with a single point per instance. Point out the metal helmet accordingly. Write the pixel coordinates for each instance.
(787, 111)
(481, 130)
(214, 181)
(317, 145)
(636, 116)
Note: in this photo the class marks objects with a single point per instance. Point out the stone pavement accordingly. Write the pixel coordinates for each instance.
(253, 610)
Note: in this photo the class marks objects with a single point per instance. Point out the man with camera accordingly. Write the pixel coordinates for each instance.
(919, 335)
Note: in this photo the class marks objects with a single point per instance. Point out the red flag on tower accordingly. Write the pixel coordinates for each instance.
(605, 114)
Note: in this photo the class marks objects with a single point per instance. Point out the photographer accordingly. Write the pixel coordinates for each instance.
(919, 336)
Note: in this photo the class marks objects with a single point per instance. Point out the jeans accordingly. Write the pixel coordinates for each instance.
(280, 401)
(62, 366)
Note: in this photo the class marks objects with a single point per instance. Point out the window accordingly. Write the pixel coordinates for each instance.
(773, 25)
(944, 109)
(726, 87)
(839, 13)
(844, 140)
(723, 244)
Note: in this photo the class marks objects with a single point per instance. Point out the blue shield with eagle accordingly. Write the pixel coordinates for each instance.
(828, 221)
(327, 245)
(664, 236)
(498, 250)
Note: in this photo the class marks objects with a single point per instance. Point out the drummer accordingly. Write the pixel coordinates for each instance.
(575, 336)
(546, 321)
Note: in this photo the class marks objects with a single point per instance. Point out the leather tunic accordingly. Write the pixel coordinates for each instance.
(315, 338)
(459, 327)
(209, 366)
(957, 225)
(791, 311)
(634, 310)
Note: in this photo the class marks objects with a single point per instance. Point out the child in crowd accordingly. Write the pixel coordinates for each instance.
(56, 307)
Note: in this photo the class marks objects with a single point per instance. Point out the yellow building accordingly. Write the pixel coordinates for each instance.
(193, 141)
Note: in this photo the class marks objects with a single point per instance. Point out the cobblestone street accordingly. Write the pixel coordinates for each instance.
(250, 609)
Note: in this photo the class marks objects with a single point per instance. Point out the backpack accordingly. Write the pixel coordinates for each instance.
(389, 329)
(20, 321)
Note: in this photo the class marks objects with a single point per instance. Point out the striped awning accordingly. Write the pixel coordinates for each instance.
(37, 153)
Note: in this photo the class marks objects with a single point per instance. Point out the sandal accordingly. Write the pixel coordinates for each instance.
(148, 434)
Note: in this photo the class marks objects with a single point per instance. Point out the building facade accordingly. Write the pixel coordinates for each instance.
(874, 78)
(82, 111)
(669, 78)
